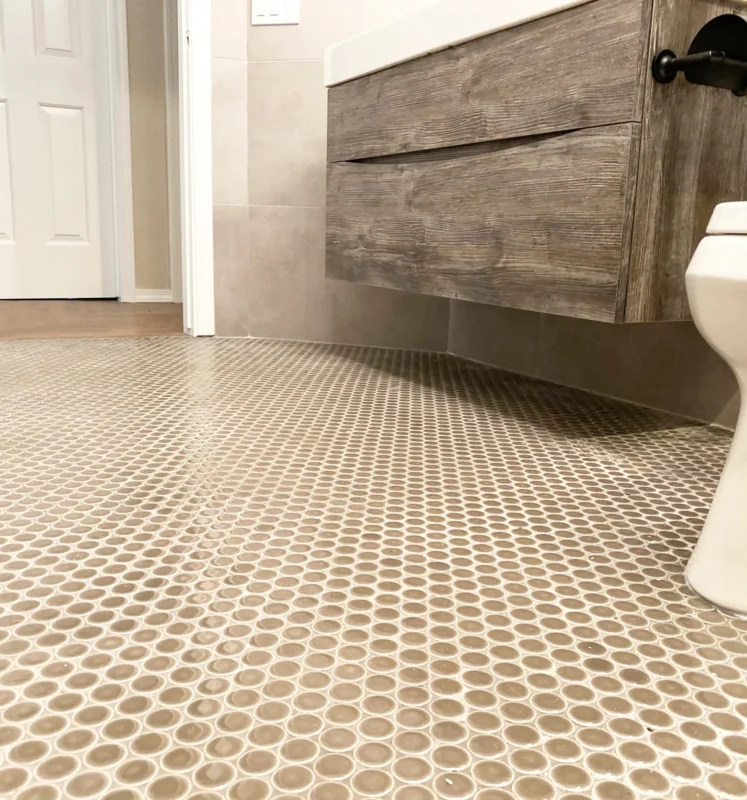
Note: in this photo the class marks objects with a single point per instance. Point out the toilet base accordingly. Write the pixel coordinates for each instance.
(725, 609)
(718, 567)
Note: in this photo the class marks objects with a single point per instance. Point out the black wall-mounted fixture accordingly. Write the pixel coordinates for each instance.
(717, 57)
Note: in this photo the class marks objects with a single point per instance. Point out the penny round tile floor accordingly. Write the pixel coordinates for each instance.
(251, 569)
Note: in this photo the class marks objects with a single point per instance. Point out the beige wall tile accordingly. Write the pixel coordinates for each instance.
(291, 42)
(346, 18)
(368, 315)
(289, 296)
(287, 133)
(286, 253)
(232, 289)
(503, 337)
(323, 22)
(663, 365)
(229, 24)
(230, 150)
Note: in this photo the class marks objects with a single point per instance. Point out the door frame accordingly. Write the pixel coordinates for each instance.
(195, 161)
(121, 243)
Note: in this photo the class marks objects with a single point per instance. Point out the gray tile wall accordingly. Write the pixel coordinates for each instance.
(230, 167)
(664, 365)
(270, 138)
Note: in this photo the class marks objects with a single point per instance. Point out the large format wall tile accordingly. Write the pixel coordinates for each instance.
(662, 365)
(323, 22)
(346, 18)
(287, 133)
(502, 337)
(229, 21)
(359, 314)
(230, 179)
(300, 42)
(232, 288)
(286, 256)
(288, 293)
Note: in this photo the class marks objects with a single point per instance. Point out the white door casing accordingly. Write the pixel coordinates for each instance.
(173, 143)
(53, 136)
(196, 175)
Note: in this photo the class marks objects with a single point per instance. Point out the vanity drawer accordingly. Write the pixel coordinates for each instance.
(541, 225)
(571, 70)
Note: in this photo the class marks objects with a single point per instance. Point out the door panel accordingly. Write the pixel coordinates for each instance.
(68, 172)
(53, 103)
(56, 24)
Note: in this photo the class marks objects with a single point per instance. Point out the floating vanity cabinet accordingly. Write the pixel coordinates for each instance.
(538, 225)
(539, 167)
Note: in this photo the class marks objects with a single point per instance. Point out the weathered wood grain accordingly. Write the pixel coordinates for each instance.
(539, 226)
(693, 156)
(575, 69)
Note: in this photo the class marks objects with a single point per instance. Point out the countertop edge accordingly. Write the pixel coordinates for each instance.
(428, 30)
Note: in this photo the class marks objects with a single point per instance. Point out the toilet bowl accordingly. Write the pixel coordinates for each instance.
(717, 291)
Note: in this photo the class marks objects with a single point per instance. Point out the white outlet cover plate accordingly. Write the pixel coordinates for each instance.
(276, 12)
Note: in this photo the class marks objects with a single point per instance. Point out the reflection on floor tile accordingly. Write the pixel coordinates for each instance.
(252, 570)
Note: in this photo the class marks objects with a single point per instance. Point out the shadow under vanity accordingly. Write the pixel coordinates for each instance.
(540, 167)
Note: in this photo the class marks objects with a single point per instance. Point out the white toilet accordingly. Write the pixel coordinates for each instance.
(717, 290)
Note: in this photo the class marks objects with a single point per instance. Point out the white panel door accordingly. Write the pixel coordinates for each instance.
(51, 84)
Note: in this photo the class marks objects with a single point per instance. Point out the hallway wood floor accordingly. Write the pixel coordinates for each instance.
(87, 319)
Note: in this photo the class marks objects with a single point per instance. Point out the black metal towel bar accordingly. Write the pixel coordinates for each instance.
(717, 57)
(716, 69)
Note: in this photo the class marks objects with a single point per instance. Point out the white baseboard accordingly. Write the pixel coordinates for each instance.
(153, 296)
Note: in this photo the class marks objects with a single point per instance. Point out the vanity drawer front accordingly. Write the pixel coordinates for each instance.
(575, 69)
(540, 226)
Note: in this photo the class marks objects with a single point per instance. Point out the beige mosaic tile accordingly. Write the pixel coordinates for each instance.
(248, 570)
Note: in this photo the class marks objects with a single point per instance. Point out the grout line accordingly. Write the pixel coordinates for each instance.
(273, 205)
(345, 344)
(229, 58)
(285, 60)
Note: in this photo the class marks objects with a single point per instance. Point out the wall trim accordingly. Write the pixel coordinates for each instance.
(154, 296)
(119, 180)
(196, 174)
(195, 161)
(171, 66)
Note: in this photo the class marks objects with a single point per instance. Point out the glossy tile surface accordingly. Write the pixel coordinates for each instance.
(247, 570)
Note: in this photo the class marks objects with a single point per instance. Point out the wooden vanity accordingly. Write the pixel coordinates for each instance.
(538, 167)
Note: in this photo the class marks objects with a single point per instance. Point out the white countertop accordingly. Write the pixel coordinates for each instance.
(429, 29)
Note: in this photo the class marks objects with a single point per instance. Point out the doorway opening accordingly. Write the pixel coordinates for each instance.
(105, 167)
